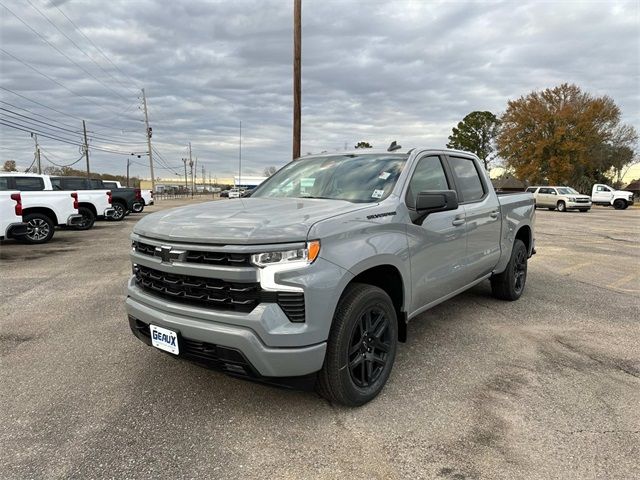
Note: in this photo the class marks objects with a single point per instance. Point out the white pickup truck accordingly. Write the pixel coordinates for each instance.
(92, 204)
(147, 195)
(11, 224)
(41, 210)
(605, 195)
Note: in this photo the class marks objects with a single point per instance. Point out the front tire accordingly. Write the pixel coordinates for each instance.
(619, 204)
(361, 347)
(40, 229)
(88, 219)
(509, 284)
(562, 207)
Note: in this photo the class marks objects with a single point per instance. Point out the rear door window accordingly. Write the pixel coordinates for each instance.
(74, 183)
(531, 189)
(25, 184)
(468, 181)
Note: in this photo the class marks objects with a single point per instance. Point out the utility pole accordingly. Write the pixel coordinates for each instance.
(195, 175)
(186, 185)
(204, 178)
(149, 132)
(297, 82)
(191, 166)
(240, 158)
(86, 150)
(38, 163)
(128, 163)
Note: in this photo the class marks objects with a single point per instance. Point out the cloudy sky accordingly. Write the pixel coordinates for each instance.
(372, 70)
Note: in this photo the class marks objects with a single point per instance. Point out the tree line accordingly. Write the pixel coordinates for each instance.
(557, 136)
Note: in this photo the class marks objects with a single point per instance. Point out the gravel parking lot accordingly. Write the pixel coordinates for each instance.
(547, 387)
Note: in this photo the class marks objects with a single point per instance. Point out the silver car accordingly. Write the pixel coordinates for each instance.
(560, 198)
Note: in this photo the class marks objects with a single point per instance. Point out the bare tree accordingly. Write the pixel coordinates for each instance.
(268, 171)
(9, 166)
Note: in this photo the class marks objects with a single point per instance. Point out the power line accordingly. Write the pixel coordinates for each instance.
(95, 46)
(104, 138)
(109, 127)
(61, 166)
(27, 64)
(75, 44)
(44, 39)
(52, 136)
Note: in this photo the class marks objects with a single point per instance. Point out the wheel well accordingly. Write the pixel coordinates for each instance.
(90, 206)
(388, 278)
(524, 234)
(44, 211)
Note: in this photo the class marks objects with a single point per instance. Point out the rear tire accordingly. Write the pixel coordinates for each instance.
(361, 347)
(562, 207)
(509, 285)
(619, 204)
(119, 213)
(40, 229)
(88, 219)
(138, 207)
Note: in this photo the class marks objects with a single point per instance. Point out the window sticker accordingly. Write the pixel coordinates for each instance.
(384, 175)
(307, 182)
(377, 194)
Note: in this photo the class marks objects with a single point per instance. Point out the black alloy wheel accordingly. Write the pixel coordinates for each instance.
(519, 270)
(369, 347)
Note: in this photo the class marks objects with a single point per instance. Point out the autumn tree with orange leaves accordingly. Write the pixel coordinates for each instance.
(564, 136)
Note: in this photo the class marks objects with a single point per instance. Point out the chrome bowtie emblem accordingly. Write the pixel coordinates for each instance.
(168, 255)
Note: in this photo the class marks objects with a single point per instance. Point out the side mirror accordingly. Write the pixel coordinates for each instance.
(436, 201)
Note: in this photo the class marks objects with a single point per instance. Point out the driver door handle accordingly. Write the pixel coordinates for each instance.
(495, 214)
(458, 221)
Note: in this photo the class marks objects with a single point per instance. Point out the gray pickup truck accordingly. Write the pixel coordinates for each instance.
(315, 276)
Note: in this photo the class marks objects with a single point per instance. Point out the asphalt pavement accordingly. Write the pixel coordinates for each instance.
(547, 387)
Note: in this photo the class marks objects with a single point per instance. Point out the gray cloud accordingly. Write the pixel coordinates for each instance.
(375, 71)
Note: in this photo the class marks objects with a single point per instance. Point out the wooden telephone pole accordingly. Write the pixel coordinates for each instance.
(86, 150)
(146, 122)
(297, 82)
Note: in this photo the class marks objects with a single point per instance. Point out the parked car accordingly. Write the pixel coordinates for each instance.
(224, 194)
(235, 192)
(560, 198)
(315, 276)
(11, 224)
(123, 200)
(605, 195)
(42, 210)
(92, 204)
(147, 195)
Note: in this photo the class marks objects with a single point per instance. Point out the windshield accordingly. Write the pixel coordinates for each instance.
(354, 178)
(567, 191)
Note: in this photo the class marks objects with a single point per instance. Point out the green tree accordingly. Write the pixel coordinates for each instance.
(363, 145)
(9, 166)
(563, 135)
(476, 133)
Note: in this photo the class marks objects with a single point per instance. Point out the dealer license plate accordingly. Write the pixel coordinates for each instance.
(164, 339)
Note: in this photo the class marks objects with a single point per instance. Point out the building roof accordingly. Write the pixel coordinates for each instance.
(633, 186)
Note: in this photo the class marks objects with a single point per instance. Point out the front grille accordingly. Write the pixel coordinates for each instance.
(582, 200)
(215, 293)
(196, 256)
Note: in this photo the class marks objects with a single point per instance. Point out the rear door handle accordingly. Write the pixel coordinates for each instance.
(495, 214)
(457, 222)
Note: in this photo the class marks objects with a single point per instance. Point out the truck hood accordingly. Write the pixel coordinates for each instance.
(243, 221)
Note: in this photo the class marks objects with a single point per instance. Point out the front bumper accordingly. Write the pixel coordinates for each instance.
(109, 212)
(215, 337)
(572, 205)
(74, 219)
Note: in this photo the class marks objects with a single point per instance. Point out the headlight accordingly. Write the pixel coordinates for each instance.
(288, 257)
(572, 199)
